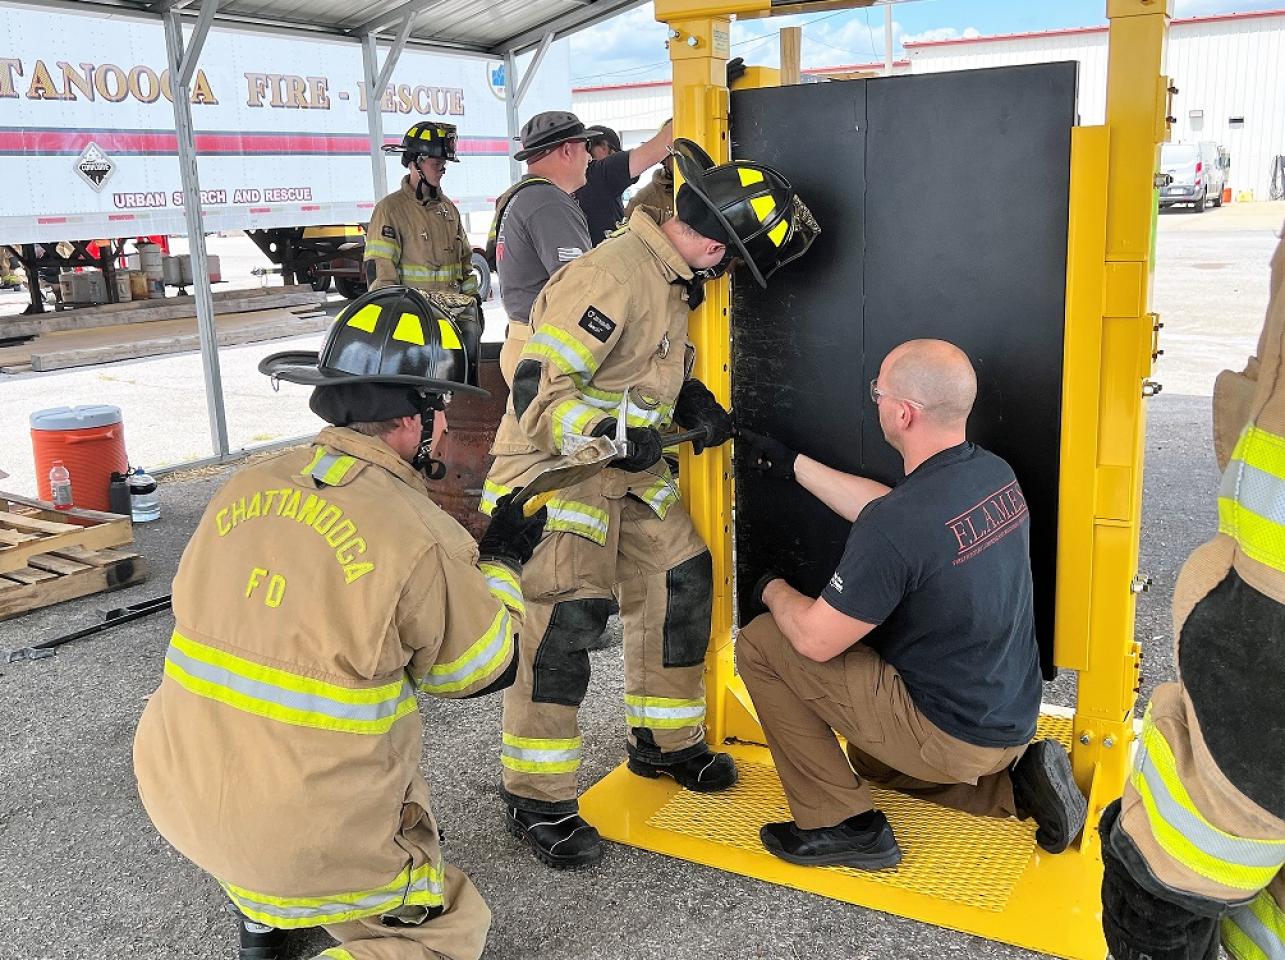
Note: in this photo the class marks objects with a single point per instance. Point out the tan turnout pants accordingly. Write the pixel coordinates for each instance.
(802, 704)
(659, 572)
(457, 934)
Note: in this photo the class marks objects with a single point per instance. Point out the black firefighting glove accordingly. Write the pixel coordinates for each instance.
(645, 445)
(697, 409)
(769, 457)
(1142, 926)
(511, 537)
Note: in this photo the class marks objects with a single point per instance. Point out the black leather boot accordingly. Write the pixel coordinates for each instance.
(1044, 789)
(707, 772)
(564, 841)
(260, 942)
(864, 841)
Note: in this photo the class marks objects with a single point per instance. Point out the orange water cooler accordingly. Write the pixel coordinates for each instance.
(89, 440)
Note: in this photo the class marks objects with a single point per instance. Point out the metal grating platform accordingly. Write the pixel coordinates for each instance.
(978, 875)
(946, 854)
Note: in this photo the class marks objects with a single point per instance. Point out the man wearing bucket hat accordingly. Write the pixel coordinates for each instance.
(538, 227)
(611, 171)
(415, 236)
(610, 340)
(321, 590)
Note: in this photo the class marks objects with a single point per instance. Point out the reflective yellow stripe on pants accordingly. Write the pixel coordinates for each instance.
(1184, 833)
(1255, 931)
(1251, 501)
(663, 713)
(536, 755)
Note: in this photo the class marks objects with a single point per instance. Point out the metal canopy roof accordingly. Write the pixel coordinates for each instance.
(490, 28)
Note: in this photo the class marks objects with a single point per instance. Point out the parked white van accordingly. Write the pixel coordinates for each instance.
(1197, 173)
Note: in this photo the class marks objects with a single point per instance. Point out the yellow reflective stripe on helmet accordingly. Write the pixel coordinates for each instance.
(663, 713)
(450, 339)
(1251, 500)
(504, 585)
(379, 247)
(1182, 830)
(421, 886)
(285, 697)
(570, 516)
(660, 496)
(565, 352)
(1256, 930)
(480, 660)
(571, 416)
(412, 132)
(330, 468)
(777, 233)
(491, 493)
(366, 318)
(536, 755)
(749, 175)
(763, 207)
(409, 329)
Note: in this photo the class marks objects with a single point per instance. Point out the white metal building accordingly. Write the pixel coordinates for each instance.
(1228, 70)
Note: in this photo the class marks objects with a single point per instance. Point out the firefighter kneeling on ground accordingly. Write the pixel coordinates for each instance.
(1195, 850)
(610, 328)
(321, 590)
(416, 236)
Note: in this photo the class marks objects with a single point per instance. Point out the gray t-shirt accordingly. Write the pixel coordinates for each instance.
(542, 228)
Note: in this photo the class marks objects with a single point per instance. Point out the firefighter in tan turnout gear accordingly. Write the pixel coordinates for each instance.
(1195, 849)
(321, 590)
(609, 327)
(416, 236)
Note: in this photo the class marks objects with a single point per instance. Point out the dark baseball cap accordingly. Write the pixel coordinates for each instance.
(599, 132)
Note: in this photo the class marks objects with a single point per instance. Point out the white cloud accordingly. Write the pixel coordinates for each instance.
(941, 33)
(624, 49)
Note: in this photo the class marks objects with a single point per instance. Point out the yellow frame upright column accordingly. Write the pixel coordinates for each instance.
(1136, 120)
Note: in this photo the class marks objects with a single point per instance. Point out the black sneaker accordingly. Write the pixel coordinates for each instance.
(1044, 789)
(706, 772)
(864, 841)
(564, 841)
(261, 942)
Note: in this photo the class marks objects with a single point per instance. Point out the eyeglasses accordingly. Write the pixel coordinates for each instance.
(876, 395)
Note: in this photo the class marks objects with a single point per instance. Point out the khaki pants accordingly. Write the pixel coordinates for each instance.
(516, 336)
(801, 705)
(457, 934)
(660, 573)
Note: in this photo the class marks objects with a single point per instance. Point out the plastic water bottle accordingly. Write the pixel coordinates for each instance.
(144, 504)
(60, 486)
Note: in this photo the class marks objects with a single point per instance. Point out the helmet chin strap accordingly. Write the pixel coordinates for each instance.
(433, 193)
(423, 460)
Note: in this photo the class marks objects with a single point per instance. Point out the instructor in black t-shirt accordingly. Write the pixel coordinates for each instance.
(610, 173)
(921, 650)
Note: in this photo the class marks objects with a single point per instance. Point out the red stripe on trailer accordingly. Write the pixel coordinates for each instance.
(28, 141)
(260, 209)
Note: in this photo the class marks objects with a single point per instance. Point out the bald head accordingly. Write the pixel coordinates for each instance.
(937, 374)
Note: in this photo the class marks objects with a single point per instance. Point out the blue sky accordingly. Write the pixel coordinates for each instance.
(631, 47)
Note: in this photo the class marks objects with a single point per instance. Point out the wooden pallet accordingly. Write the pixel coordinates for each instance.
(66, 574)
(48, 556)
(29, 528)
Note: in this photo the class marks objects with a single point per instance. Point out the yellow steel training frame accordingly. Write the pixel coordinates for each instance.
(1050, 903)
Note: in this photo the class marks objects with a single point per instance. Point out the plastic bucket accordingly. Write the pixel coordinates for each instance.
(89, 440)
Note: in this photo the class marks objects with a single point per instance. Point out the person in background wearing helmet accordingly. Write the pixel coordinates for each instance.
(321, 591)
(416, 236)
(921, 650)
(610, 339)
(610, 173)
(538, 227)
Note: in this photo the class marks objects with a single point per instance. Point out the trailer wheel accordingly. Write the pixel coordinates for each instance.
(348, 288)
(482, 274)
(319, 281)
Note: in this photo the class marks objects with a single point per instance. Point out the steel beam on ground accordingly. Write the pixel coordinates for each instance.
(180, 60)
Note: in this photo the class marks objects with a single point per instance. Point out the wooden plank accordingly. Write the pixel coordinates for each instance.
(30, 575)
(123, 572)
(52, 563)
(791, 55)
(45, 511)
(10, 328)
(10, 537)
(16, 368)
(93, 558)
(84, 356)
(18, 521)
(146, 311)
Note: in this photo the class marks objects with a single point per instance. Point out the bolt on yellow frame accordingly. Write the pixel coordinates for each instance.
(1110, 343)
